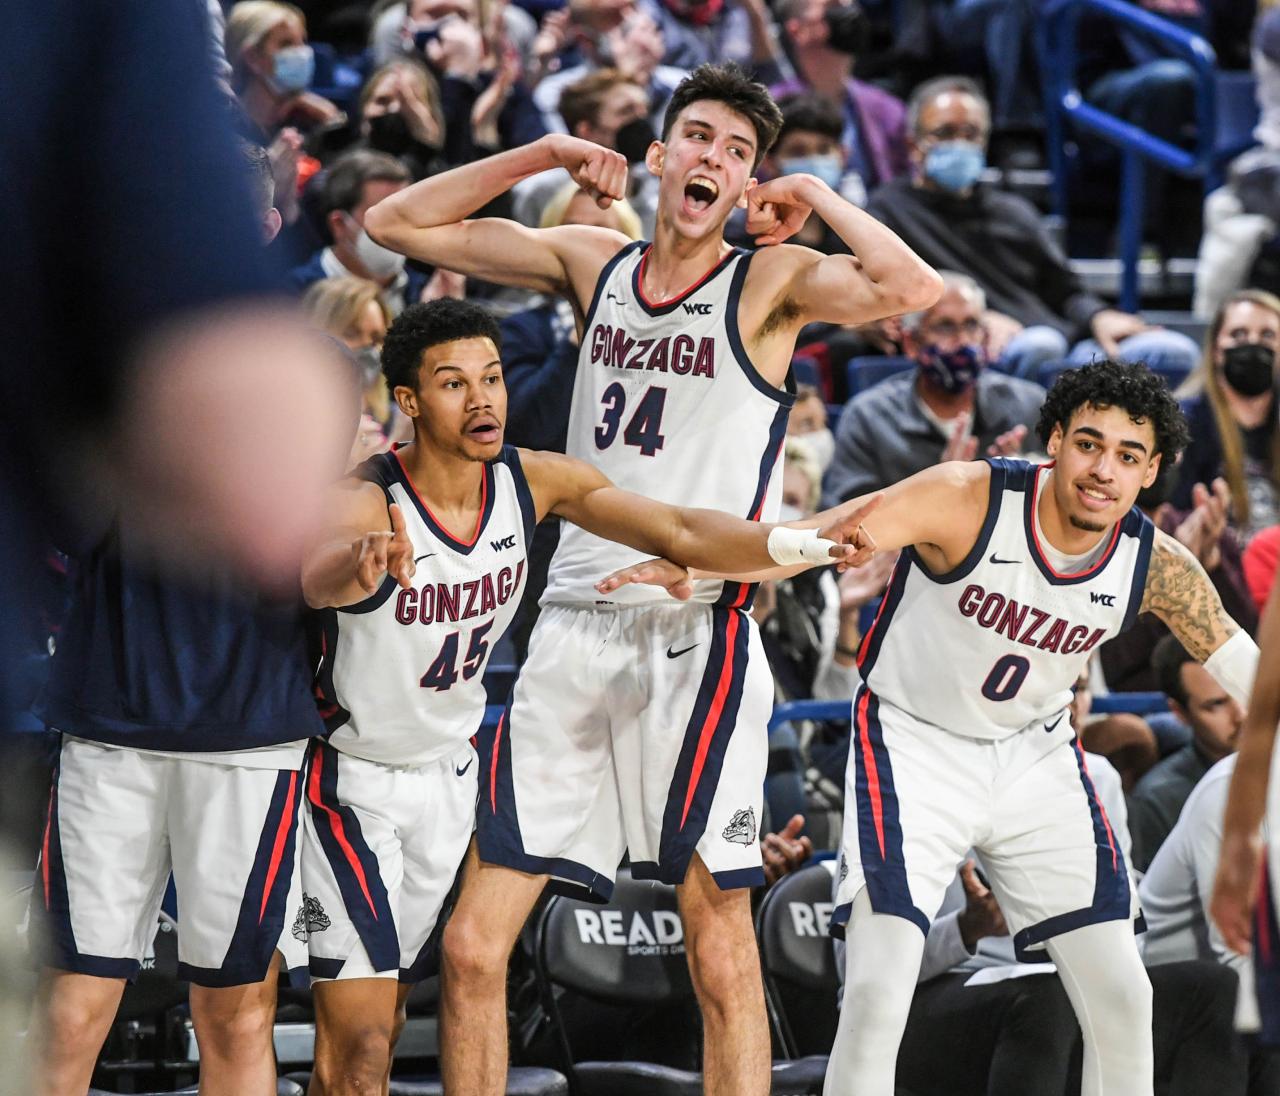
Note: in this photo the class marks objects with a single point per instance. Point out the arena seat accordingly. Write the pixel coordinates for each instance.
(1050, 371)
(866, 372)
(284, 1087)
(798, 963)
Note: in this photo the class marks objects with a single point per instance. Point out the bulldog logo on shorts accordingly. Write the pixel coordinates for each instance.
(311, 918)
(741, 829)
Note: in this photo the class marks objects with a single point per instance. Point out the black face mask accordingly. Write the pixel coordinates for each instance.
(1249, 368)
(389, 133)
(633, 140)
(847, 29)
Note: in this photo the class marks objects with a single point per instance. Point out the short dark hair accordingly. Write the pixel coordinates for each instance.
(812, 113)
(728, 84)
(344, 181)
(1167, 660)
(1127, 385)
(581, 101)
(262, 181)
(422, 326)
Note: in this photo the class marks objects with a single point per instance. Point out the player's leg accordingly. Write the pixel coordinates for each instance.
(355, 1026)
(914, 799)
(882, 962)
(720, 944)
(1058, 871)
(70, 1021)
(398, 1023)
(233, 1028)
(1111, 994)
(104, 864)
(482, 931)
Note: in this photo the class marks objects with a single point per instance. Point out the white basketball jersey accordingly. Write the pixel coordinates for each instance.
(400, 673)
(996, 645)
(667, 404)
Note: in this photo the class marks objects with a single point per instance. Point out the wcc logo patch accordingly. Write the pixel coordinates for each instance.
(741, 829)
(311, 918)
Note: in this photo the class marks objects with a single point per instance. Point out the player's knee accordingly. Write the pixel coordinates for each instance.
(229, 1026)
(354, 1061)
(472, 953)
(1122, 1000)
(721, 968)
(71, 1023)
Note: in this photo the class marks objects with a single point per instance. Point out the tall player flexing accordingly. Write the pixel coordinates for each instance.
(421, 573)
(1011, 575)
(638, 722)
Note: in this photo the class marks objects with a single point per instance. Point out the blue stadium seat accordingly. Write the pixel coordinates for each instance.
(1049, 372)
(865, 372)
(1237, 103)
(805, 370)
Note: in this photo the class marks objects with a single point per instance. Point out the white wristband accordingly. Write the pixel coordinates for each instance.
(1233, 665)
(789, 546)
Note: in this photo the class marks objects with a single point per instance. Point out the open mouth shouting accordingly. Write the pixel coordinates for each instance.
(484, 429)
(700, 194)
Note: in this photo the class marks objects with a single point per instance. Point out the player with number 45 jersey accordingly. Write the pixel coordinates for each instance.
(417, 579)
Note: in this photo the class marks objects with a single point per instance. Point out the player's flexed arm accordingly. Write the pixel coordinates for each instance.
(706, 539)
(366, 541)
(427, 221)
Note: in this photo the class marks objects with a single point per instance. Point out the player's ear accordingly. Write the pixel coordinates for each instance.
(1054, 443)
(752, 183)
(1153, 470)
(406, 399)
(654, 156)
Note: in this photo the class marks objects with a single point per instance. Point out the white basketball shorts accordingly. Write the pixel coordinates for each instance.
(119, 821)
(917, 798)
(381, 850)
(641, 729)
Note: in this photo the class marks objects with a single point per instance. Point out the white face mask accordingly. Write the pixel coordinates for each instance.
(823, 444)
(381, 262)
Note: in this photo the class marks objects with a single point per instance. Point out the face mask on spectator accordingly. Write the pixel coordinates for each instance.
(389, 133)
(381, 262)
(369, 361)
(823, 444)
(847, 29)
(293, 68)
(787, 512)
(955, 165)
(633, 139)
(953, 371)
(830, 168)
(1249, 368)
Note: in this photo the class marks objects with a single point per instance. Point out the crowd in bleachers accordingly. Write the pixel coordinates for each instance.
(931, 115)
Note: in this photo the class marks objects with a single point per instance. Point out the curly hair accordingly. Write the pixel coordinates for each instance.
(422, 326)
(1128, 385)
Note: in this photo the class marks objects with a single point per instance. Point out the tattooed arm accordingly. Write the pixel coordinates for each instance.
(1180, 593)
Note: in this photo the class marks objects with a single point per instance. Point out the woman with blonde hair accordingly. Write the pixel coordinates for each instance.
(401, 115)
(351, 310)
(1232, 412)
(272, 66)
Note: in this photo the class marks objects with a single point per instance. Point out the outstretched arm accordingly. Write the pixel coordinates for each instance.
(427, 221)
(1236, 888)
(883, 277)
(706, 539)
(366, 541)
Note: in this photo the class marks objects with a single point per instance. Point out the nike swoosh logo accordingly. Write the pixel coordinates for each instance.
(677, 654)
(996, 559)
(419, 559)
(463, 771)
(1048, 727)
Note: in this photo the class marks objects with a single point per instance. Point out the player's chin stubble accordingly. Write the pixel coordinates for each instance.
(1087, 526)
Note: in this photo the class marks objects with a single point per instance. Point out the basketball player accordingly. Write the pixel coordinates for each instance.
(656, 739)
(184, 706)
(420, 576)
(1011, 574)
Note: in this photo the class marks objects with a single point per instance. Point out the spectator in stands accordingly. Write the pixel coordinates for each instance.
(351, 310)
(272, 66)
(1232, 414)
(950, 407)
(611, 108)
(404, 28)
(401, 115)
(809, 143)
(953, 221)
(1260, 562)
(352, 185)
(698, 32)
(1215, 720)
(823, 38)
(609, 34)
(808, 422)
